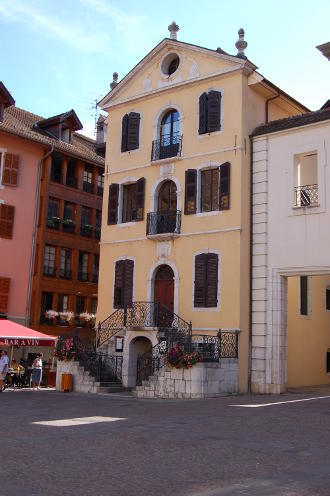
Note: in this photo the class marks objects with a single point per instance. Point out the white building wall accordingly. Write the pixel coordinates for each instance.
(286, 240)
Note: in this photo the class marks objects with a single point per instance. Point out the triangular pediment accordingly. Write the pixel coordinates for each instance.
(151, 73)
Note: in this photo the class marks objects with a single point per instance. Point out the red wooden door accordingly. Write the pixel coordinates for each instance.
(164, 287)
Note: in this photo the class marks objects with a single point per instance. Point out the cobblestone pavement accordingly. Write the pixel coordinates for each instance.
(164, 447)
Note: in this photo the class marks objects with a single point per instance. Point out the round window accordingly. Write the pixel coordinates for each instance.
(170, 64)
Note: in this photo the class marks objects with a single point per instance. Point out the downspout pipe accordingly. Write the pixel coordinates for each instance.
(251, 260)
(267, 105)
(34, 233)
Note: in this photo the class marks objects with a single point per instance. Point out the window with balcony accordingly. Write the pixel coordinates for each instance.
(100, 184)
(98, 224)
(46, 304)
(306, 182)
(167, 219)
(170, 140)
(95, 272)
(62, 308)
(68, 224)
(53, 220)
(65, 263)
(88, 185)
(71, 173)
(49, 261)
(83, 267)
(86, 227)
(56, 168)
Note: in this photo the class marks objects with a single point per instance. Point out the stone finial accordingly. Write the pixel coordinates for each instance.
(241, 44)
(114, 81)
(173, 29)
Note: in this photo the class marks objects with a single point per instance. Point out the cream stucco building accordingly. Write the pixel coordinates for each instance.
(176, 211)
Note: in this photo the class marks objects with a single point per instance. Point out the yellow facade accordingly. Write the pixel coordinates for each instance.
(308, 336)
(146, 91)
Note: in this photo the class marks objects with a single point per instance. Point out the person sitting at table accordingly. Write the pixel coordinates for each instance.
(16, 366)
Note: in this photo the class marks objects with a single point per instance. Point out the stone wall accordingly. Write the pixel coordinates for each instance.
(203, 380)
(82, 381)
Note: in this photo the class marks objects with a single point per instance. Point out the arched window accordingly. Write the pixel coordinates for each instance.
(169, 134)
(167, 197)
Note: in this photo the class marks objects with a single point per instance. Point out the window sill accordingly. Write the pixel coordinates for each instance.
(206, 309)
(126, 224)
(304, 207)
(166, 160)
(208, 214)
(163, 236)
(213, 133)
(306, 317)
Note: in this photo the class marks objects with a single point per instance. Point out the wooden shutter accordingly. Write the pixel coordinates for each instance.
(10, 170)
(211, 280)
(124, 127)
(202, 114)
(4, 294)
(128, 282)
(118, 301)
(200, 281)
(133, 131)
(213, 112)
(113, 204)
(7, 213)
(123, 289)
(140, 192)
(224, 187)
(190, 191)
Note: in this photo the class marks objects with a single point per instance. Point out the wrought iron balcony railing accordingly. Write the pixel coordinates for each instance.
(166, 147)
(163, 223)
(71, 181)
(83, 276)
(49, 271)
(65, 274)
(306, 196)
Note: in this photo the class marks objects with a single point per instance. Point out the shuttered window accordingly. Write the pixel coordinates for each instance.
(123, 289)
(10, 170)
(7, 213)
(130, 132)
(206, 280)
(209, 112)
(224, 187)
(113, 204)
(4, 294)
(190, 192)
(303, 295)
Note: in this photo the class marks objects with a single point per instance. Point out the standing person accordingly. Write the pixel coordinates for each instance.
(3, 369)
(37, 371)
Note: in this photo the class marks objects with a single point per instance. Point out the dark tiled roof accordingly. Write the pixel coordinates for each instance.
(21, 123)
(294, 121)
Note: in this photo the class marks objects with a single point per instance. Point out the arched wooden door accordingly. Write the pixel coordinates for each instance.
(164, 287)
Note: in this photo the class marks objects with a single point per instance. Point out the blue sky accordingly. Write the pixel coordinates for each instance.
(60, 54)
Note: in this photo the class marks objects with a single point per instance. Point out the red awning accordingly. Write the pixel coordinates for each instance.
(12, 334)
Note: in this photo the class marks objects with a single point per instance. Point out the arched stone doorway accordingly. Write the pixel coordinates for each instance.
(167, 208)
(139, 346)
(164, 286)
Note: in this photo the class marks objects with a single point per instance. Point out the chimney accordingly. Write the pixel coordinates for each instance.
(173, 29)
(114, 81)
(241, 44)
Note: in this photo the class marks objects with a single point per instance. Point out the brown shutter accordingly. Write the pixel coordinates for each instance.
(200, 281)
(6, 221)
(202, 114)
(113, 204)
(140, 191)
(119, 284)
(212, 280)
(224, 187)
(190, 191)
(4, 294)
(123, 288)
(124, 133)
(213, 116)
(128, 282)
(133, 131)
(10, 170)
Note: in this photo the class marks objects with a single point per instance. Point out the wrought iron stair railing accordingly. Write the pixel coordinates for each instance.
(142, 314)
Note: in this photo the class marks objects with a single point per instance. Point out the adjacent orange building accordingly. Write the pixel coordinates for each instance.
(51, 188)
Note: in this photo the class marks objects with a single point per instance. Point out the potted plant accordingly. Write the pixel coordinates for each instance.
(66, 317)
(89, 318)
